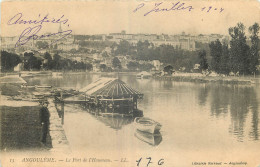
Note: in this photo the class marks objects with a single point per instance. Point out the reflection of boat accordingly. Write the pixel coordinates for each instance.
(147, 125)
(152, 139)
(115, 115)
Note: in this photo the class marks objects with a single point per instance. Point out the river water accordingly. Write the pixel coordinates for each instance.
(194, 116)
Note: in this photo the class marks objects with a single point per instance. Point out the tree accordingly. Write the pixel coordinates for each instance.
(103, 67)
(132, 65)
(225, 60)
(116, 63)
(143, 50)
(123, 47)
(9, 61)
(168, 69)
(57, 62)
(239, 50)
(31, 62)
(216, 54)
(89, 66)
(42, 45)
(47, 65)
(203, 60)
(73, 51)
(105, 54)
(254, 56)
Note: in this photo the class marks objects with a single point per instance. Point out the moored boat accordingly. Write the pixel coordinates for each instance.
(143, 75)
(43, 86)
(147, 125)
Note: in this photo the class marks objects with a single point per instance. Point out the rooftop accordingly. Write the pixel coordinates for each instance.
(110, 88)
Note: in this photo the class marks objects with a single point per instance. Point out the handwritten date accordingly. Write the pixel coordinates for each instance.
(170, 7)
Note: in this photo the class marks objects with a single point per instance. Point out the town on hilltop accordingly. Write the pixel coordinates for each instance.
(116, 52)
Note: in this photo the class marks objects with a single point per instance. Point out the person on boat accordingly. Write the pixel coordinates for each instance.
(44, 120)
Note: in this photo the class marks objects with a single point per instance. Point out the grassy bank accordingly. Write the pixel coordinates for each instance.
(211, 79)
(20, 128)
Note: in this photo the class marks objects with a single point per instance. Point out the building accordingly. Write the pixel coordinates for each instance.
(67, 47)
(157, 64)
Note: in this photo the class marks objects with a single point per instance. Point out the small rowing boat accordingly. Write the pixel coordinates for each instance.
(147, 125)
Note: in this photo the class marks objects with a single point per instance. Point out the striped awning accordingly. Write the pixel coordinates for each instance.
(110, 87)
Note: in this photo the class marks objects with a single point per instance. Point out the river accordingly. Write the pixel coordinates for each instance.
(194, 116)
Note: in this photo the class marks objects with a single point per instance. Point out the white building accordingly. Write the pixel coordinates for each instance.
(157, 64)
(67, 47)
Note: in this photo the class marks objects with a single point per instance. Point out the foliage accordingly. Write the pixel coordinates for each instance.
(48, 61)
(203, 61)
(239, 50)
(9, 61)
(31, 62)
(216, 53)
(254, 50)
(116, 63)
(168, 69)
(42, 44)
(133, 65)
(103, 67)
(124, 48)
(239, 58)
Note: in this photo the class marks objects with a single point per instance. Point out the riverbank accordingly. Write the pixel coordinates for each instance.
(20, 126)
(211, 79)
(57, 133)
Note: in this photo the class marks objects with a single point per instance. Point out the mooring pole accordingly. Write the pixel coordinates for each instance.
(62, 112)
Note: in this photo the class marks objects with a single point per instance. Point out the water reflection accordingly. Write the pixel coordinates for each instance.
(178, 106)
(115, 122)
(236, 101)
(203, 94)
(151, 139)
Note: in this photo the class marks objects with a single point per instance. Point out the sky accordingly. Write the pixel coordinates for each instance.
(104, 17)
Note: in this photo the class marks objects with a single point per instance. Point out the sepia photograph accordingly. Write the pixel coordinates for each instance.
(170, 83)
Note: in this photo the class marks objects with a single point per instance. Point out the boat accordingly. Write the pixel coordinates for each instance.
(43, 86)
(57, 74)
(151, 139)
(147, 125)
(143, 75)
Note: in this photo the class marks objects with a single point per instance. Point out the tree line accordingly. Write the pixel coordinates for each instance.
(47, 62)
(240, 56)
(167, 54)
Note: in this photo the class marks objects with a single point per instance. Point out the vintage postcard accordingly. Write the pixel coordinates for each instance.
(166, 83)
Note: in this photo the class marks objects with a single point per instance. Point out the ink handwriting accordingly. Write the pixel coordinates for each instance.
(178, 6)
(35, 26)
(32, 34)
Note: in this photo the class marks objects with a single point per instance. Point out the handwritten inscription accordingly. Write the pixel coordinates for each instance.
(18, 19)
(170, 7)
(148, 161)
(35, 25)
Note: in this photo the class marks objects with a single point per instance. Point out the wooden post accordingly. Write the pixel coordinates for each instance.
(135, 103)
(62, 112)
